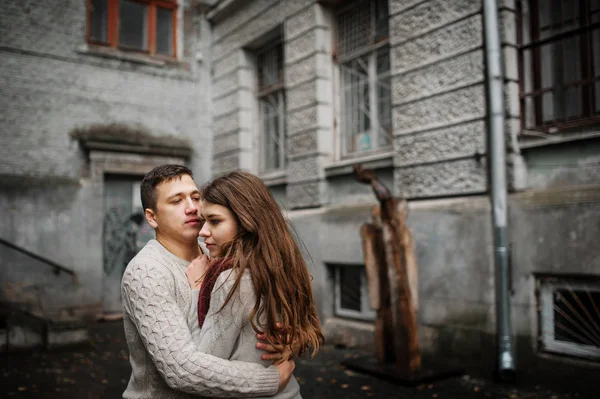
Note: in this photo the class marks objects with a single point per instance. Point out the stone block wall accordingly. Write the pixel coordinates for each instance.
(438, 97)
(54, 82)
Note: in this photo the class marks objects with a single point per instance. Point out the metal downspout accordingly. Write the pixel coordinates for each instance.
(497, 159)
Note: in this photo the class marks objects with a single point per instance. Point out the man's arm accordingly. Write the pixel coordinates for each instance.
(148, 291)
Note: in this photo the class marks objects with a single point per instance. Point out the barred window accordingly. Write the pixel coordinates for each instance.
(147, 26)
(271, 98)
(559, 44)
(351, 295)
(570, 316)
(364, 61)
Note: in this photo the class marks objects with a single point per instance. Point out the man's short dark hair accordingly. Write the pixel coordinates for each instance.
(155, 177)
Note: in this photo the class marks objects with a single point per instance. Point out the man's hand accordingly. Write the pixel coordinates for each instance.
(285, 373)
(196, 271)
(274, 353)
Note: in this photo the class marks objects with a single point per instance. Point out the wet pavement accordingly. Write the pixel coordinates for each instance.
(101, 370)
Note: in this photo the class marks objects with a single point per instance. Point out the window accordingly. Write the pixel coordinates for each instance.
(351, 296)
(271, 99)
(147, 26)
(364, 62)
(570, 316)
(559, 63)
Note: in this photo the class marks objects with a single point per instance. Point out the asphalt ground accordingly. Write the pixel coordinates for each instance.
(101, 370)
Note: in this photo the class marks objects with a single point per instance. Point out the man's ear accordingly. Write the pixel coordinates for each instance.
(151, 218)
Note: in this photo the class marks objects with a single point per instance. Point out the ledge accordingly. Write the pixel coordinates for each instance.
(371, 161)
(275, 178)
(130, 139)
(182, 69)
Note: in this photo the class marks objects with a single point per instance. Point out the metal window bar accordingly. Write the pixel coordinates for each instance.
(351, 296)
(570, 317)
(271, 98)
(557, 92)
(363, 55)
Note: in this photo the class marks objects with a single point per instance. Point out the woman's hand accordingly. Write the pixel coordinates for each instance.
(196, 271)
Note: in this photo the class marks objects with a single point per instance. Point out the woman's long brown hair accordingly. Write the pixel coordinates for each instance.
(265, 246)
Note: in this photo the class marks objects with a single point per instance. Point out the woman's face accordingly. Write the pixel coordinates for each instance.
(220, 227)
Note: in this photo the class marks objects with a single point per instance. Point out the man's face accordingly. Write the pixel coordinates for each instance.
(177, 210)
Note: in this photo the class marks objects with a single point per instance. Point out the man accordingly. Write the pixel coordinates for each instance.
(160, 317)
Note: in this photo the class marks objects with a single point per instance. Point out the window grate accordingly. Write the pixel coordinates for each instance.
(351, 295)
(365, 114)
(271, 99)
(570, 316)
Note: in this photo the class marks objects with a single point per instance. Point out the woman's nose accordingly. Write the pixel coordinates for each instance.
(204, 231)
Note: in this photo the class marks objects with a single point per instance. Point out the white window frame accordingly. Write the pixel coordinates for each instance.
(366, 312)
(347, 118)
(266, 138)
(547, 322)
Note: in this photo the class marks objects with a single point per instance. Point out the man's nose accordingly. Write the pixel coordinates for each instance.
(191, 207)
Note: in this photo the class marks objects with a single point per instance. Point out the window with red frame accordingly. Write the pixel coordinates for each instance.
(559, 49)
(147, 26)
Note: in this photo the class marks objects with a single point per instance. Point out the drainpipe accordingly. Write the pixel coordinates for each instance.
(497, 159)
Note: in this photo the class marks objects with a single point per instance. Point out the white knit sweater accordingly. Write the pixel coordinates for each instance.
(160, 321)
(227, 331)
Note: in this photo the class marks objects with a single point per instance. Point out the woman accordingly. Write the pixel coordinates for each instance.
(257, 279)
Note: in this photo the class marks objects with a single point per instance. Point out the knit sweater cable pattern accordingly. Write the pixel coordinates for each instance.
(161, 326)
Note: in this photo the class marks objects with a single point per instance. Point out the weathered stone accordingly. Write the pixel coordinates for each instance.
(302, 169)
(303, 95)
(428, 16)
(439, 111)
(302, 143)
(225, 84)
(440, 144)
(442, 76)
(226, 143)
(226, 65)
(300, 22)
(303, 195)
(227, 104)
(397, 6)
(226, 163)
(454, 39)
(302, 119)
(226, 123)
(445, 178)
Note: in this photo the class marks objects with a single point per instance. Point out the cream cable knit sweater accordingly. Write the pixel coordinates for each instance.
(160, 321)
(228, 333)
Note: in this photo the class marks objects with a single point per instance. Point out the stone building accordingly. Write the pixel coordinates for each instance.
(303, 89)
(94, 94)
(97, 92)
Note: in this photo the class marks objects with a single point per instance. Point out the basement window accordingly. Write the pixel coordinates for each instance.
(570, 316)
(351, 296)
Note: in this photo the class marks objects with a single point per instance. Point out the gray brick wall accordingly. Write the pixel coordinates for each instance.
(52, 83)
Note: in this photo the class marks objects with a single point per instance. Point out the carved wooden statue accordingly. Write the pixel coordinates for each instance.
(392, 277)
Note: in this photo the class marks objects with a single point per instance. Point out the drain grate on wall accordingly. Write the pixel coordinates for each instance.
(570, 316)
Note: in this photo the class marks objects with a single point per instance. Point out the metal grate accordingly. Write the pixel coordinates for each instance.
(559, 42)
(355, 27)
(570, 316)
(271, 100)
(351, 295)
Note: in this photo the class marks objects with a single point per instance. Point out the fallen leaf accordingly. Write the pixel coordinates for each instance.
(21, 389)
(344, 386)
(365, 387)
(476, 389)
(319, 379)
(435, 395)
(333, 381)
